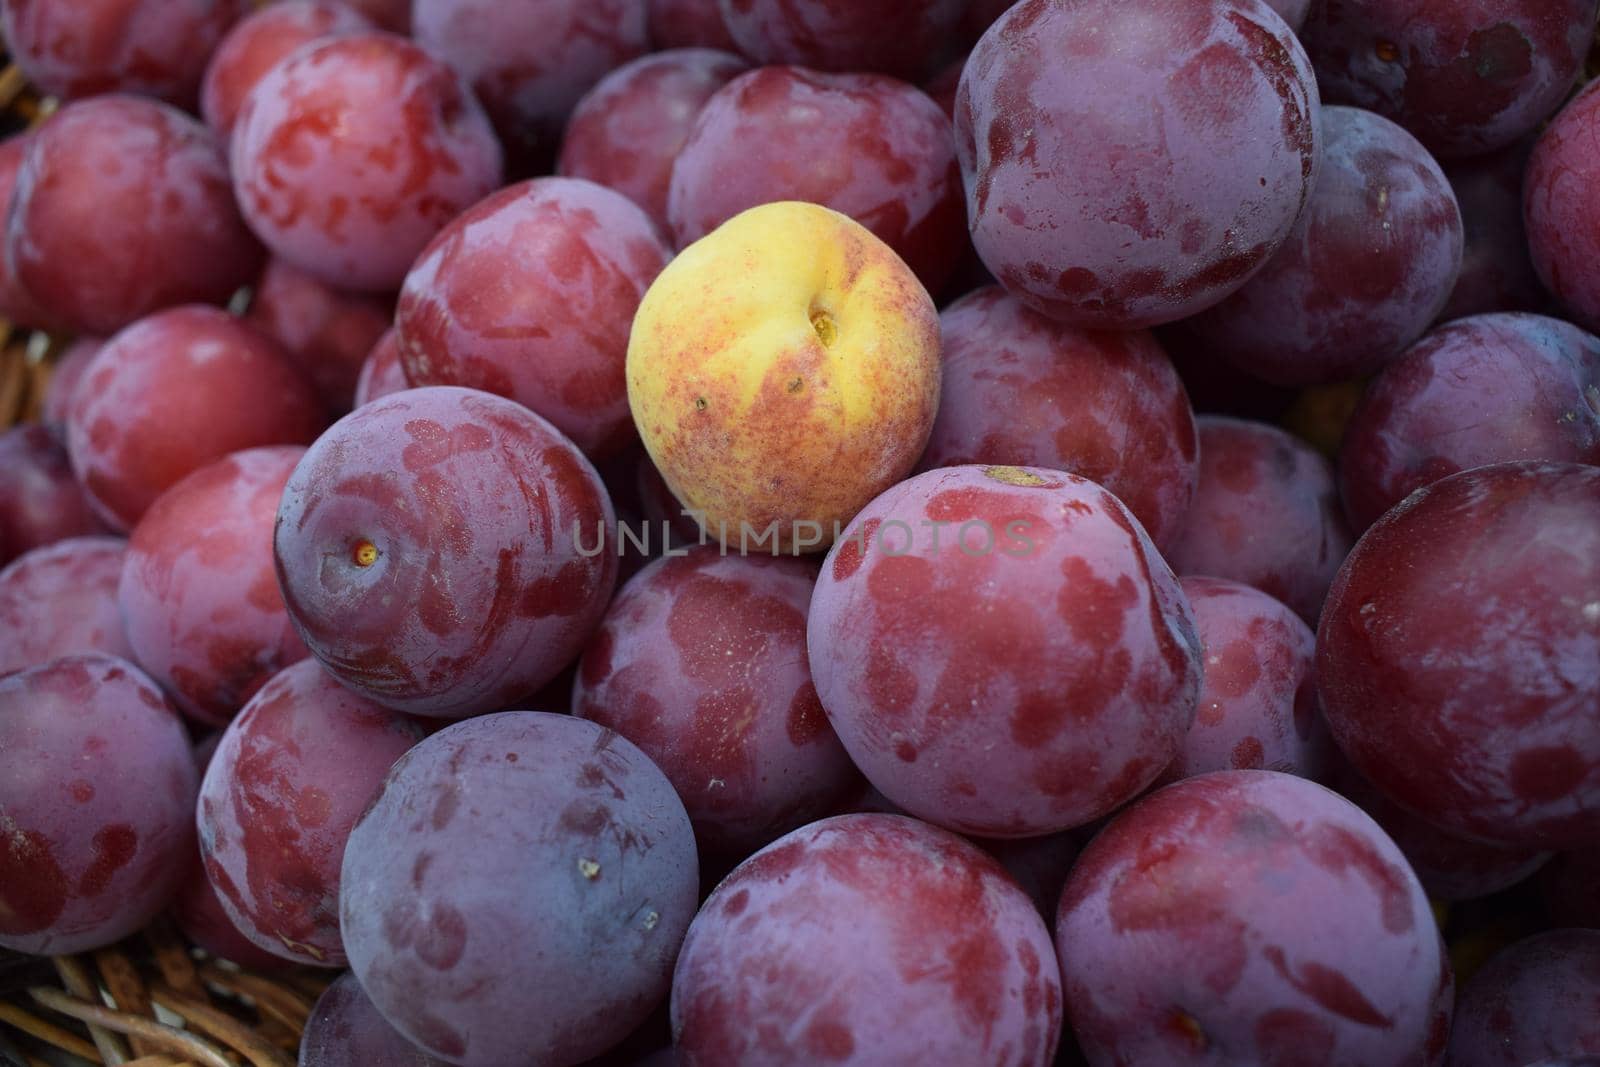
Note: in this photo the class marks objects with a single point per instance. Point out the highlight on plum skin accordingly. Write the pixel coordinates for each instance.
(290, 777)
(1020, 389)
(61, 600)
(98, 791)
(1532, 1001)
(199, 591)
(530, 294)
(349, 156)
(867, 939)
(1003, 651)
(474, 509)
(1093, 190)
(1480, 390)
(701, 662)
(1471, 713)
(506, 855)
(1255, 912)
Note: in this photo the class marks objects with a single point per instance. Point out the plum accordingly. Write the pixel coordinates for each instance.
(1266, 514)
(505, 856)
(866, 145)
(1486, 389)
(1538, 999)
(1563, 229)
(382, 372)
(1250, 917)
(886, 36)
(290, 777)
(530, 295)
(1496, 268)
(61, 600)
(701, 662)
(437, 551)
(530, 61)
(98, 791)
(65, 375)
(326, 333)
(1466, 76)
(867, 939)
(198, 589)
(258, 43)
(626, 132)
(1458, 661)
(688, 24)
(174, 392)
(354, 151)
(1258, 700)
(345, 1030)
(40, 500)
(87, 47)
(1089, 136)
(1003, 651)
(15, 304)
(123, 207)
(1025, 390)
(1368, 266)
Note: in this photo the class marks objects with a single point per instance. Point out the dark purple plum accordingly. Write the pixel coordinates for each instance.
(1486, 389)
(519, 890)
(1003, 651)
(530, 295)
(1536, 1000)
(701, 662)
(325, 332)
(1020, 389)
(98, 788)
(345, 1030)
(1458, 661)
(627, 131)
(1466, 76)
(887, 36)
(1266, 514)
(1251, 917)
(1496, 268)
(290, 777)
(865, 145)
(61, 600)
(1089, 136)
(438, 551)
(1368, 266)
(867, 939)
(40, 500)
(1563, 228)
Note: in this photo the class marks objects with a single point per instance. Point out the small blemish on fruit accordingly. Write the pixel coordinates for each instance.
(589, 869)
(365, 553)
(796, 385)
(1387, 51)
(699, 403)
(1014, 476)
(827, 330)
(651, 918)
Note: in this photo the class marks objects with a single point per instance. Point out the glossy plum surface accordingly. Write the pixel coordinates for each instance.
(530, 61)
(98, 792)
(1459, 656)
(701, 662)
(198, 590)
(1481, 390)
(867, 939)
(1538, 999)
(427, 549)
(290, 777)
(123, 207)
(505, 856)
(326, 332)
(345, 1030)
(1089, 136)
(1039, 640)
(61, 600)
(175, 392)
(1025, 390)
(1250, 917)
(887, 36)
(381, 372)
(1563, 230)
(865, 145)
(530, 295)
(1466, 76)
(352, 153)
(1266, 514)
(1368, 266)
(1496, 268)
(1258, 700)
(627, 131)
(40, 501)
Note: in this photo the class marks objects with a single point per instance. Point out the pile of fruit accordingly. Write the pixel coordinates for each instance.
(764, 532)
